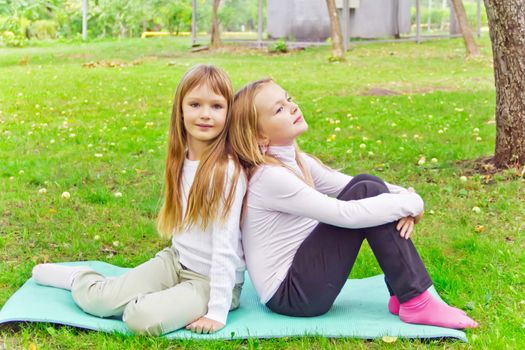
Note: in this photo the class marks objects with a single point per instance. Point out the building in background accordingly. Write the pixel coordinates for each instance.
(307, 20)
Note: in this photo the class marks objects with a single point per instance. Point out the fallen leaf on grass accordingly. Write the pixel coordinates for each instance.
(388, 339)
(109, 251)
(480, 228)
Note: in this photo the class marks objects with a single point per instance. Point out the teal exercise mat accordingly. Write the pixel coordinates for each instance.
(360, 311)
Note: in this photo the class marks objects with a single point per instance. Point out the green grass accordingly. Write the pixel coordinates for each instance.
(122, 114)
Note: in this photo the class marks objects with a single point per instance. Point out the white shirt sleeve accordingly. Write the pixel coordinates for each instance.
(225, 241)
(287, 193)
(332, 182)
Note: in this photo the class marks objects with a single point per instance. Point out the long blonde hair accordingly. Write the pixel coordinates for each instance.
(206, 198)
(245, 130)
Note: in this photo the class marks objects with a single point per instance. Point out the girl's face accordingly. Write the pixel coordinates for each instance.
(204, 113)
(280, 119)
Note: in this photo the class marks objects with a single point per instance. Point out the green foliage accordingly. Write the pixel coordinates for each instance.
(13, 31)
(278, 47)
(118, 18)
(439, 15)
(8, 38)
(43, 29)
(233, 14)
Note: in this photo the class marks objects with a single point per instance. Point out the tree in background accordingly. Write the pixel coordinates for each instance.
(470, 44)
(335, 30)
(215, 34)
(507, 33)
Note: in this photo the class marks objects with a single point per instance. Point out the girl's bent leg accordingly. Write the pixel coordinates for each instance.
(405, 273)
(104, 297)
(322, 263)
(407, 277)
(168, 310)
(324, 260)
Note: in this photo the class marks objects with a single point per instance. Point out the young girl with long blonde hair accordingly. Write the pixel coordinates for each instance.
(304, 223)
(196, 281)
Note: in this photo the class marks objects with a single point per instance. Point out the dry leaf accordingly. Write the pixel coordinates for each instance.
(389, 339)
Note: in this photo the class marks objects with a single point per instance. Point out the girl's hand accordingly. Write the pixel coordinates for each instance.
(204, 326)
(406, 226)
(418, 218)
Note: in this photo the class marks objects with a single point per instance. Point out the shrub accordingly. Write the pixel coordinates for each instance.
(278, 46)
(43, 29)
(8, 38)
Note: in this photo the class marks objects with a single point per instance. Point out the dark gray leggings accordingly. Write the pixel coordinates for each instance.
(324, 260)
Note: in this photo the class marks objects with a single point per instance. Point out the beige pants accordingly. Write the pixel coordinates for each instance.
(154, 298)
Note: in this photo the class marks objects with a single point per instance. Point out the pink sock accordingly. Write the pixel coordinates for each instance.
(425, 309)
(393, 306)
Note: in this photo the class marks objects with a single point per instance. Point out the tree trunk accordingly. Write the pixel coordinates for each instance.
(395, 19)
(335, 29)
(461, 16)
(507, 33)
(215, 35)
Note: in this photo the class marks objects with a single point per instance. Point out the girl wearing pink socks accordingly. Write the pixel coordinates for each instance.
(304, 223)
(196, 281)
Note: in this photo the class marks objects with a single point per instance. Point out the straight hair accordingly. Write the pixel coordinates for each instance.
(207, 201)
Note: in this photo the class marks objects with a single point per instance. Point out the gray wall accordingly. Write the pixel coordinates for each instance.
(303, 20)
(307, 20)
(379, 18)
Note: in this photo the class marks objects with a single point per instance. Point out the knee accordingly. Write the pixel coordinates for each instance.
(91, 300)
(141, 320)
(367, 177)
(363, 186)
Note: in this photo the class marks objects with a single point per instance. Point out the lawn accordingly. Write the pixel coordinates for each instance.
(91, 119)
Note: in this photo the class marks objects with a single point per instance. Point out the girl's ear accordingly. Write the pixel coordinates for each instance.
(263, 140)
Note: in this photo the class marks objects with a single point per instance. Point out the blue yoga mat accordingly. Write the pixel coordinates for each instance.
(360, 311)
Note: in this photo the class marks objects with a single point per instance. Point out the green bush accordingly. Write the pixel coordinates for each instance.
(8, 38)
(279, 47)
(17, 25)
(13, 31)
(43, 29)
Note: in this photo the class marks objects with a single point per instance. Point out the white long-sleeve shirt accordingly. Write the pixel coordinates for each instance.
(282, 210)
(217, 251)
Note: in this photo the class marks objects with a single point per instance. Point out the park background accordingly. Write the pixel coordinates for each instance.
(90, 118)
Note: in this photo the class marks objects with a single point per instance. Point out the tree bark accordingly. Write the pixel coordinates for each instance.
(215, 35)
(461, 16)
(507, 33)
(335, 29)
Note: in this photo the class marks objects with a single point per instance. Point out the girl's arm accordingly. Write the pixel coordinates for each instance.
(283, 191)
(331, 182)
(224, 259)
